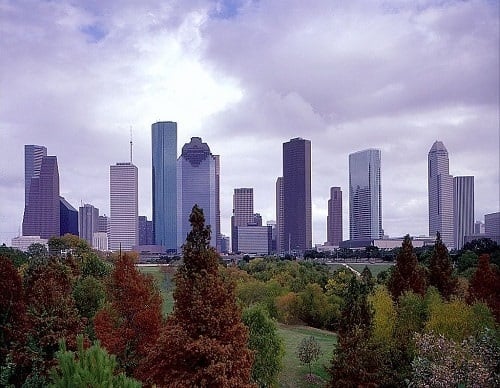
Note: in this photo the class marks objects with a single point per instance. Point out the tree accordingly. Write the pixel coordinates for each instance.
(440, 270)
(315, 308)
(204, 342)
(131, 321)
(407, 275)
(266, 344)
(308, 351)
(484, 285)
(93, 367)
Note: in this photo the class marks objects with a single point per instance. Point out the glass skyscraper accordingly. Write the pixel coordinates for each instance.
(297, 217)
(463, 208)
(33, 155)
(196, 184)
(242, 213)
(164, 161)
(365, 195)
(334, 217)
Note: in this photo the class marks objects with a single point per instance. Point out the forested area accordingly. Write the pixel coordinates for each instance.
(69, 317)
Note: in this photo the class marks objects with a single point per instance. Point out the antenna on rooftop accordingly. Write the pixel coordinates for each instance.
(130, 144)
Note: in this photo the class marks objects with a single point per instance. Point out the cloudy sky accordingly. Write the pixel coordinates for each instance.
(247, 76)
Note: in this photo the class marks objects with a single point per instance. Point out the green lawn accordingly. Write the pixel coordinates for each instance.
(164, 283)
(293, 373)
(374, 268)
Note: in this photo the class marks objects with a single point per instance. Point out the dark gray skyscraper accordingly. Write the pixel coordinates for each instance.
(297, 195)
(280, 217)
(68, 218)
(334, 217)
(164, 154)
(88, 222)
(463, 208)
(42, 212)
(33, 155)
(365, 195)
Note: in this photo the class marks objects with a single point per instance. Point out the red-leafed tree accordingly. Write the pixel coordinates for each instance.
(131, 321)
(440, 270)
(407, 274)
(204, 342)
(485, 286)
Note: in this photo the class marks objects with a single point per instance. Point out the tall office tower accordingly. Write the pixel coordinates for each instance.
(42, 213)
(463, 208)
(365, 195)
(196, 184)
(33, 155)
(68, 218)
(217, 203)
(242, 212)
(88, 222)
(280, 217)
(272, 225)
(103, 224)
(164, 153)
(492, 226)
(145, 231)
(479, 227)
(334, 217)
(297, 226)
(440, 189)
(123, 222)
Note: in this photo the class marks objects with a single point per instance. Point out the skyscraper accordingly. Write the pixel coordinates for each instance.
(123, 222)
(365, 195)
(164, 155)
(463, 208)
(440, 189)
(280, 217)
(42, 212)
(145, 231)
(88, 222)
(218, 237)
(68, 218)
(242, 213)
(33, 155)
(334, 217)
(297, 195)
(196, 184)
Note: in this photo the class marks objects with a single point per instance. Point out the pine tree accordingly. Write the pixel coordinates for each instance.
(407, 275)
(204, 341)
(440, 270)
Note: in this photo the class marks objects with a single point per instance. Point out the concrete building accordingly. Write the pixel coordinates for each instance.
(334, 232)
(297, 218)
(100, 241)
(145, 231)
(242, 212)
(254, 239)
(463, 208)
(196, 184)
(68, 218)
(164, 162)
(280, 217)
(23, 242)
(42, 212)
(440, 191)
(479, 227)
(88, 222)
(365, 195)
(492, 226)
(123, 223)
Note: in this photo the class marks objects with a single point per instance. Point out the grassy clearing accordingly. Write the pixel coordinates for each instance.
(293, 373)
(374, 268)
(164, 283)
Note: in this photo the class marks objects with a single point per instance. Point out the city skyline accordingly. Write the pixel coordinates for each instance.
(381, 75)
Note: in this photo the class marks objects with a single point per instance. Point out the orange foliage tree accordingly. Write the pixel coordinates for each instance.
(131, 321)
(485, 285)
(204, 342)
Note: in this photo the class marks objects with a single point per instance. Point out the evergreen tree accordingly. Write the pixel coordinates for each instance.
(407, 275)
(204, 341)
(485, 286)
(440, 270)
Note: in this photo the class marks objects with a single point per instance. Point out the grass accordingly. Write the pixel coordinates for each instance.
(294, 373)
(374, 268)
(164, 283)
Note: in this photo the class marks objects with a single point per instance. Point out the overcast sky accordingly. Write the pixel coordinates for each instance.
(247, 76)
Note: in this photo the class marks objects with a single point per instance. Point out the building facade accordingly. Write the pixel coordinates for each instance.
(254, 239)
(164, 163)
(440, 191)
(33, 155)
(123, 222)
(196, 185)
(280, 217)
(145, 231)
(365, 195)
(42, 212)
(463, 209)
(88, 222)
(334, 233)
(242, 212)
(297, 225)
(68, 218)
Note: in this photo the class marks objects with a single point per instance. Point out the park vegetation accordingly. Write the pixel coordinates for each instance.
(430, 320)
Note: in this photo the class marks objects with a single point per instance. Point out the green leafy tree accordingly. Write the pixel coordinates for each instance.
(92, 367)
(266, 344)
(315, 308)
(204, 342)
(308, 351)
(407, 274)
(440, 270)
(484, 286)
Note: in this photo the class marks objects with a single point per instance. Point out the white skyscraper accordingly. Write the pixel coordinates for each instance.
(365, 195)
(123, 222)
(440, 187)
(463, 208)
